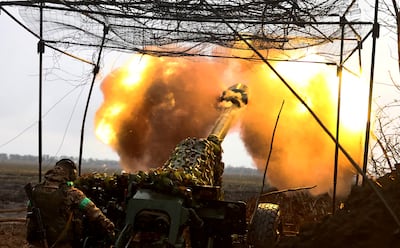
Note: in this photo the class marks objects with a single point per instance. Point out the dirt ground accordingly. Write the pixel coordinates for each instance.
(12, 205)
(363, 220)
(12, 235)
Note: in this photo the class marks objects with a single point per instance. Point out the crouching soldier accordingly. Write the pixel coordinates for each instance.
(54, 206)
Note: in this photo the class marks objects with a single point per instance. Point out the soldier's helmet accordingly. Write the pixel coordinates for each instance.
(69, 167)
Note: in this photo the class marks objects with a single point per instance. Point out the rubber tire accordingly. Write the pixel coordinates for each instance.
(263, 232)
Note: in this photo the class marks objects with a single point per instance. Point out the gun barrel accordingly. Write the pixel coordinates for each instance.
(231, 101)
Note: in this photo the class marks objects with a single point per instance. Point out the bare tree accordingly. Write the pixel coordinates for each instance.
(386, 151)
(390, 19)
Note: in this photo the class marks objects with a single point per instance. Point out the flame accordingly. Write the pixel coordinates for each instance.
(133, 73)
(354, 91)
(354, 100)
(104, 130)
(151, 104)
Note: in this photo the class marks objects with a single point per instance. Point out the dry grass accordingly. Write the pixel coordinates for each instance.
(13, 177)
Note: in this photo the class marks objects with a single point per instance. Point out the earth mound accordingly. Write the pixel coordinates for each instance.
(363, 220)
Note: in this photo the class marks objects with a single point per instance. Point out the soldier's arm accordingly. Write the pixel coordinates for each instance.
(92, 212)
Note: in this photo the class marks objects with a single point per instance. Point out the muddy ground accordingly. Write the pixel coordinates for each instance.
(364, 219)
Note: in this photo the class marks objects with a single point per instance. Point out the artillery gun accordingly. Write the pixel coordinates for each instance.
(180, 204)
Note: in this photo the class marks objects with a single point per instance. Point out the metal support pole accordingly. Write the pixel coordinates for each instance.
(95, 71)
(375, 35)
(339, 92)
(40, 50)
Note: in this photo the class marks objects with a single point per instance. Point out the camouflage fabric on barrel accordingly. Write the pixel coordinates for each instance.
(193, 162)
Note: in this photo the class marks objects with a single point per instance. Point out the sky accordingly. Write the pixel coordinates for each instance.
(65, 89)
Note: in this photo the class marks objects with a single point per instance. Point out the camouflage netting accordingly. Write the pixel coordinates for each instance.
(193, 162)
(178, 28)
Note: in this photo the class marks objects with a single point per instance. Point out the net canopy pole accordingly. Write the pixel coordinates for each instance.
(95, 72)
(339, 92)
(375, 35)
(40, 50)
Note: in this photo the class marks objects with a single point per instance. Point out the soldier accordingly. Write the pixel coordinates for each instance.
(61, 206)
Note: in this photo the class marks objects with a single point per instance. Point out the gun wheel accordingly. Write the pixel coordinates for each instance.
(264, 228)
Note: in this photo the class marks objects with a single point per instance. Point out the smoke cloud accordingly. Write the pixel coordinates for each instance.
(161, 101)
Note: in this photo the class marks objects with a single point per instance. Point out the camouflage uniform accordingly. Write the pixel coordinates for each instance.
(62, 207)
